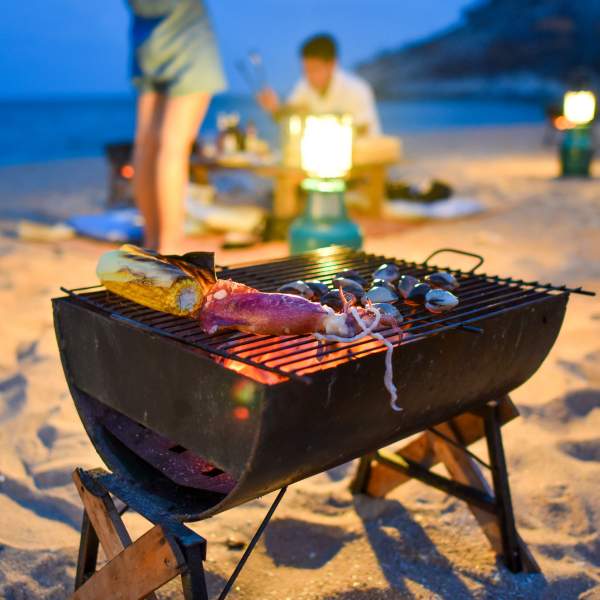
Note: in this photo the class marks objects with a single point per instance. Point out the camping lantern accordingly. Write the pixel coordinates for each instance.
(576, 150)
(326, 157)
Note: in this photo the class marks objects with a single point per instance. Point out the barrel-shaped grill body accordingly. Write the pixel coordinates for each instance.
(266, 436)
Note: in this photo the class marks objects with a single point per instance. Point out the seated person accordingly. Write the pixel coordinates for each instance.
(326, 88)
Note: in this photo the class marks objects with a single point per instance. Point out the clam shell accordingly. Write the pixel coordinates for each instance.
(332, 299)
(318, 287)
(417, 295)
(349, 285)
(442, 280)
(389, 309)
(379, 294)
(383, 283)
(439, 301)
(354, 275)
(388, 271)
(297, 288)
(406, 284)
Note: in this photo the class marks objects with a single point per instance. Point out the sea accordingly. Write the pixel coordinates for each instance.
(53, 129)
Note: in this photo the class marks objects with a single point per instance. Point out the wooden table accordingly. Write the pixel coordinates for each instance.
(286, 181)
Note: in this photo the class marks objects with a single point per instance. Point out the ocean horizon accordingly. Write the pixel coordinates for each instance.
(38, 130)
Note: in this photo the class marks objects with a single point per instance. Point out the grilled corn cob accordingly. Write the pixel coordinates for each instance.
(172, 284)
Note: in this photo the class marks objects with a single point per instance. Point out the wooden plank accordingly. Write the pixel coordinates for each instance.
(103, 515)
(462, 468)
(468, 426)
(384, 479)
(137, 571)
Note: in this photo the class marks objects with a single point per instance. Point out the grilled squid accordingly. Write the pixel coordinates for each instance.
(231, 305)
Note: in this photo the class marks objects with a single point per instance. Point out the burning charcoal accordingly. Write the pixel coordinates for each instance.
(379, 294)
(442, 280)
(389, 271)
(354, 275)
(417, 295)
(406, 284)
(439, 301)
(297, 288)
(383, 283)
(319, 288)
(349, 285)
(332, 299)
(390, 310)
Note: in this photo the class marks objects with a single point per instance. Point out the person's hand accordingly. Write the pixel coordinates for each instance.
(268, 99)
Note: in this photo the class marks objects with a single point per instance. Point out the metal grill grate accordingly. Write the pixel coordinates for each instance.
(481, 296)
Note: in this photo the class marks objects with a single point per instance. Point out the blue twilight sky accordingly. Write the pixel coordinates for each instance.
(79, 47)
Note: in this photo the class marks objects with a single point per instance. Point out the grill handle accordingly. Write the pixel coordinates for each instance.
(479, 258)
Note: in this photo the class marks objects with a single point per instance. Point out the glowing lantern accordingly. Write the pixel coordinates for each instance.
(579, 107)
(326, 157)
(577, 148)
(326, 146)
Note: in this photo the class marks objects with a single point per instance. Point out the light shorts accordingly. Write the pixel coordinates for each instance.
(174, 50)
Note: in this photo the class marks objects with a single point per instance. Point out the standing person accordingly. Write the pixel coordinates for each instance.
(176, 69)
(326, 88)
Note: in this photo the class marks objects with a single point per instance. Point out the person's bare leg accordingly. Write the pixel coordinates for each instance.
(181, 117)
(148, 118)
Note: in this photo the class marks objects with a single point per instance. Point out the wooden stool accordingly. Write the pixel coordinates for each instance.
(446, 443)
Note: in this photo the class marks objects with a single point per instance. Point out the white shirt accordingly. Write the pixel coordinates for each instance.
(346, 94)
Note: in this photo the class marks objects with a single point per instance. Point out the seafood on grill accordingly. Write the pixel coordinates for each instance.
(442, 280)
(379, 294)
(439, 301)
(388, 271)
(406, 284)
(416, 296)
(298, 288)
(187, 286)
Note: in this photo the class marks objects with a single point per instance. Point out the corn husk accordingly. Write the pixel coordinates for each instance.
(169, 283)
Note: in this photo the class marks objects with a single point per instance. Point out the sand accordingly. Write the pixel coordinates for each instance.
(323, 543)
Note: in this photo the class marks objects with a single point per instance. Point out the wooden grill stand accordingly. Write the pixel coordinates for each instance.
(447, 443)
(136, 569)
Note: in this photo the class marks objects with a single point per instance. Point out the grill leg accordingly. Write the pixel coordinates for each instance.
(506, 519)
(363, 474)
(88, 552)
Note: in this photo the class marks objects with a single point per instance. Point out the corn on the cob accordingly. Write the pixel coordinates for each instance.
(173, 284)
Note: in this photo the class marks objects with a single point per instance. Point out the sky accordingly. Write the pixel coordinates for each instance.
(51, 48)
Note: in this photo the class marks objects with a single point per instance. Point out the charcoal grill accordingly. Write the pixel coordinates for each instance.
(197, 424)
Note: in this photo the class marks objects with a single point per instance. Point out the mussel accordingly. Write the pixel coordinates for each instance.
(390, 310)
(406, 284)
(318, 287)
(439, 301)
(354, 275)
(297, 288)
(383, 283)
(388, 271)
(333, 299)
(442, 280)
(379, 294)
(349, 285)
(416, 296)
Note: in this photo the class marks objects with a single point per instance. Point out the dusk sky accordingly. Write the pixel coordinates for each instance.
(66, 47)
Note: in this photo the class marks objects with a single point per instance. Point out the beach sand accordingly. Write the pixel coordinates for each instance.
(323, 543)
